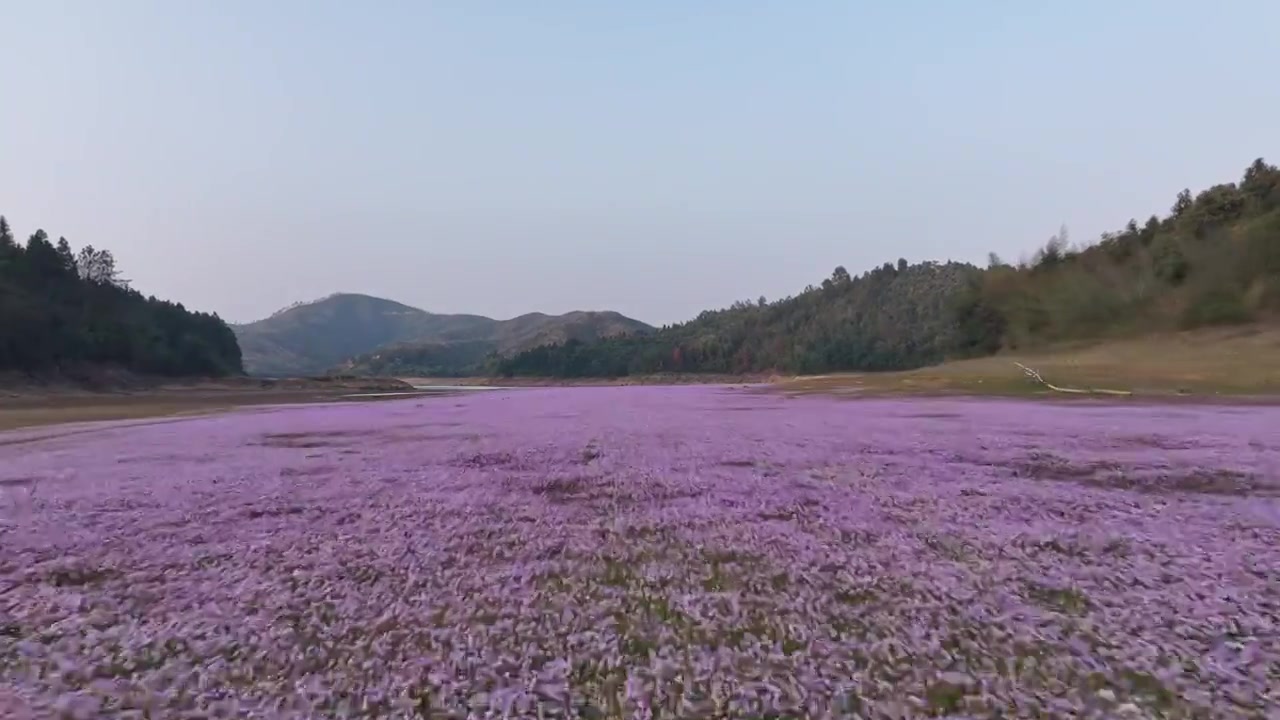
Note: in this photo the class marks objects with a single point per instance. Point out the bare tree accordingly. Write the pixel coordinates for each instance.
(99, 266)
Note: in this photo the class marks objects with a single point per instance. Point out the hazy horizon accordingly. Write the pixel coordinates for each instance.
(655, 159)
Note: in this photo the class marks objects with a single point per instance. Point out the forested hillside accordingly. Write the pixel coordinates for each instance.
(895, 316)
(1213, 260)
(311, 338)
(464, 358)
(63, 312)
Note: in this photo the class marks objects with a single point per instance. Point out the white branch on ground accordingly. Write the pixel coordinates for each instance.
(1078, 391)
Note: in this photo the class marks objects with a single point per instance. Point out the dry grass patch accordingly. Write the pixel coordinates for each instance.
(1232, 361)
(1111, 475)
(313, 439)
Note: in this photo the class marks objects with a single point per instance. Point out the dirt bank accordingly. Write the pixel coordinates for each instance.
(27, 402)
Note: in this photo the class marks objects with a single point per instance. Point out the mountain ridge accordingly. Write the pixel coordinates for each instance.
(343, 331)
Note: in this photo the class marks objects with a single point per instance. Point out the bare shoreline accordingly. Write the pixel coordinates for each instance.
(32, 405)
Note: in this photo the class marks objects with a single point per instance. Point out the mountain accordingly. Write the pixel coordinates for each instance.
(475, 357)
(354, 333)
(310, 338)
(69, 315)
(1213, 260)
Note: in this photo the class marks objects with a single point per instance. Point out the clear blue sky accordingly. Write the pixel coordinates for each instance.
(656, 158)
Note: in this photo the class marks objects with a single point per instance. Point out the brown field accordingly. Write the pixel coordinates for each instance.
(663, 379)
(33, 405)
(1237, 362)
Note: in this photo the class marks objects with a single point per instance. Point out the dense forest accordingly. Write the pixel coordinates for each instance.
(464, 358)
(66, 313)
(1213, 260)
(898, 315)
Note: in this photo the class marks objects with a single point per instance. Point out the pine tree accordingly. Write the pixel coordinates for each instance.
(6, 235)
(9, 249)
(64, 252)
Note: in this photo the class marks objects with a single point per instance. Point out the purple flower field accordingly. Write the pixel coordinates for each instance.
(646, 552)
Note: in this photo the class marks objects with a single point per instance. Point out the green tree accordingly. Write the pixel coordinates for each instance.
(1182, 204)
(9, 249)
(64, 252)
(1261, 184)
(6, 234)
(53, 320)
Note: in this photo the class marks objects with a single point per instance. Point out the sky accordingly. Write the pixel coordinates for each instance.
(655, 158)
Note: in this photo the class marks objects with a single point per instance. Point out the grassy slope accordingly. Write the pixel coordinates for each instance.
(1227, 361)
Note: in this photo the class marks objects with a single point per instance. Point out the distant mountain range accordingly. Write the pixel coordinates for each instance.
(361, 334)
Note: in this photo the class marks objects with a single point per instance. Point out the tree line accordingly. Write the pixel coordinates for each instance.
(1213, 259)
(64, 312)
(463, 358)
(895, 316)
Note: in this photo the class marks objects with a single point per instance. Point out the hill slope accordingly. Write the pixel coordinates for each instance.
(1237, 360)
(477, 357)
(892, 317)
(356, 332)
(310, 338)
(69, 315)
(1213, 261)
